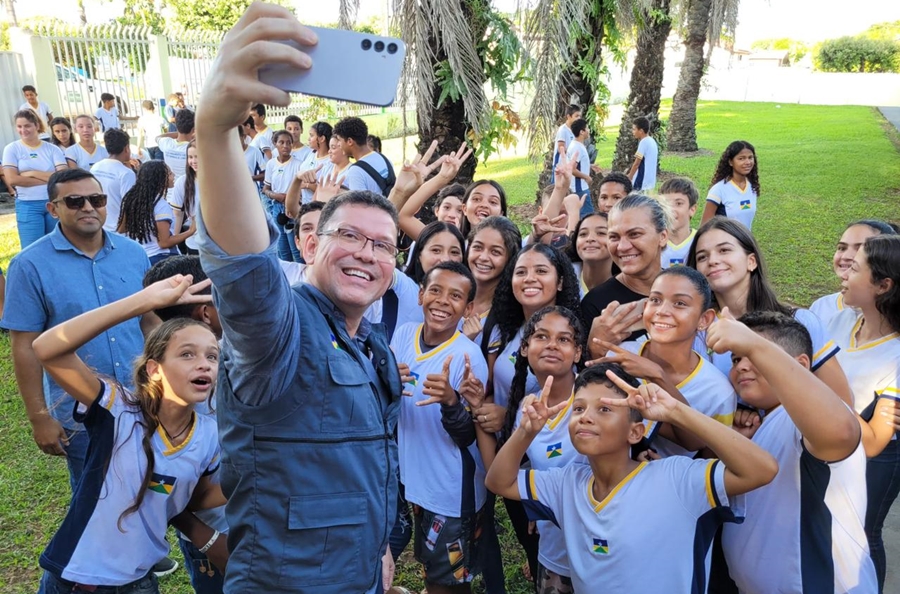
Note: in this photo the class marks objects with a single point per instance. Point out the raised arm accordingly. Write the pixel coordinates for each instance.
(747, 466)
(829, 427)
(450, 165)
(56, 348)
(232, 213)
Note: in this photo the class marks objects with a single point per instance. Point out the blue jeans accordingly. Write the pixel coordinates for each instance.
(402, 530)
(155, 153)
(33, 221)
(883, 484)
(50, 584)
(205, 578)
(76, 452)
(285, 238)
(588, 207)
(160, 257)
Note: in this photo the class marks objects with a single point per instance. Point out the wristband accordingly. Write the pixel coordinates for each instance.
(211, 542)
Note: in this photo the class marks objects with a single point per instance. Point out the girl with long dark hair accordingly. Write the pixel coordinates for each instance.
(735, 185)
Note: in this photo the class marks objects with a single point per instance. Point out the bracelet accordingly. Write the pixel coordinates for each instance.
(211, 542)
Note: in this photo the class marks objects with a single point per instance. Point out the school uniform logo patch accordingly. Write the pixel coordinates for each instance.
(334, 342)
(512, 359)
(745, 205)
(554, 450)
(601, 547)
(676, 262)
(415, 379)
(161, 483)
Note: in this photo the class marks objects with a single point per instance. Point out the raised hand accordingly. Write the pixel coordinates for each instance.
(746, 422)
(176, 290)
(536, 413)
(563, 172)
(472, 326)
(541, 225)
(413, 173)
(471, 387)
(406, 377)
(727, 334)
(437, 387)
(329, 187)
(233, 84)
(633, 364)
(452, 162)
(653, 402)
(614, 324)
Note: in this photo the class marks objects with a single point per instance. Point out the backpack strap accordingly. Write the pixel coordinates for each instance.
(384, 184)
(390, 305)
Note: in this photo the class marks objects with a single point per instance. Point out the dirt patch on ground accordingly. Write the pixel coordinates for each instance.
(521, 214)
(690, 155)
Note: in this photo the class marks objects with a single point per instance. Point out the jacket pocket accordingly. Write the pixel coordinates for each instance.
(323, 542)
(350, 406)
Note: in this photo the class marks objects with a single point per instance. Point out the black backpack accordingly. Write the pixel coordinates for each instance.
(385, 185)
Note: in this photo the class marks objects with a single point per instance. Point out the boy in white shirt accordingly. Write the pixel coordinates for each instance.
(581, 173)
(114, 174)
(263, 138)
(174, 144)
(681, 194)
(39, 107)
(564, 135)
(371, 171)
(607, 508)
(150, 125)
(440, 465)
(804, 532)
(646, 159)
(108, 114)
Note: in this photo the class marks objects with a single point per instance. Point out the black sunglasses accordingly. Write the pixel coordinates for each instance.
(77, 202)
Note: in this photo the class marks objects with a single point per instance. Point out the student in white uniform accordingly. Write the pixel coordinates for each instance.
(679, 306)
(609, 507)
(108, 114)
(300, 151)
(552, 345)
(280, 172)
(851, 240)
(646, 159)
(681, 195)
(127, 498)
(317, 155)
(735, 189)
(440, 465)
(150, 125)
(588, 251)
(38, 107)
(868, 332)
(114, 174)
(86, 152)
(580, 183)
(370, 170)
(174, 144)
(263, 138)
(185, 197)
(727, 254)
(564, 135)
(804, 532)
(256, 161)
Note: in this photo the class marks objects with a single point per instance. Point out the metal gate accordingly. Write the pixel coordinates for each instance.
(191, 55)
(96, 59)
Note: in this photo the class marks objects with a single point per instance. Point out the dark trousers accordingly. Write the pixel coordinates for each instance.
(883, 484)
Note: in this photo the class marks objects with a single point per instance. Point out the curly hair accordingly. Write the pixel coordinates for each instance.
(136, 218)
(507, 313)
(725, 171)
(517, 387)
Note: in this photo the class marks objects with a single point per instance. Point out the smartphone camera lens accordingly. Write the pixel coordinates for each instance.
(392, 48)
(379, 46)
(367, 44)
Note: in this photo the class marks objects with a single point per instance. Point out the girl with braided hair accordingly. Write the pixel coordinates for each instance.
(146, 217)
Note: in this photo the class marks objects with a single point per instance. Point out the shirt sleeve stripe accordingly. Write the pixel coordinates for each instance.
(532, 489)
(711, 494)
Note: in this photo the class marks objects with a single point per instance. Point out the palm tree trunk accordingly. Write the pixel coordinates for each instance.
(449, 124)
(646, 80)
(82, 16)
(682, 128)
(10, 8)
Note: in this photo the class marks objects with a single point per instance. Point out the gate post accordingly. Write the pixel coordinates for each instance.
(37, 55)
(159, 77)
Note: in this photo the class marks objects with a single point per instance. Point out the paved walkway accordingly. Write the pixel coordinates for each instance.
(891, 114)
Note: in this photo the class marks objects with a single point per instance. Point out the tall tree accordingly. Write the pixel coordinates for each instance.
(654, 24)
(82, 16)
(705, 22)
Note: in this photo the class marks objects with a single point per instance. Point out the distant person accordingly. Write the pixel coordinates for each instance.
(61, 133)
(374, 142)
(38, 107)
(735, 191)
(108, 113)
(77, 268)
(174, 145)
(86, 152)
(646, 160)
(581, 174)
(294, 125)
(28, 164)
(114, 174)
(613, 187)
(263, 137)
(681, 195)
(370, 171)
(564, 135)
(170, 110)
(150, 125)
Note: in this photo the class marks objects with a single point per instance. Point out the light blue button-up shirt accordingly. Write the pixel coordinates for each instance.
(52, 281)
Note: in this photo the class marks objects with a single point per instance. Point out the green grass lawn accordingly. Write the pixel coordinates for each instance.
(820, 167)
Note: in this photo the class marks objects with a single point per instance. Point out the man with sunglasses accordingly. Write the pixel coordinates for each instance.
(309, 397)
(75, 268)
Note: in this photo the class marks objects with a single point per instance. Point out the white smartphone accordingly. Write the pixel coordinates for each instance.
(347, 66)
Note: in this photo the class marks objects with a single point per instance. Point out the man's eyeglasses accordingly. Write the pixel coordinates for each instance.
(355, 241)
(77, 202)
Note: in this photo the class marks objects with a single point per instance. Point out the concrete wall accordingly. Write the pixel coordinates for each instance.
(13, 75)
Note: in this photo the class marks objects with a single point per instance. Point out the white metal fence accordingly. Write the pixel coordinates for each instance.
(72, 66)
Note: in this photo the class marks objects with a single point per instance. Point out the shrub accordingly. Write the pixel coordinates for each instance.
(858, 54)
